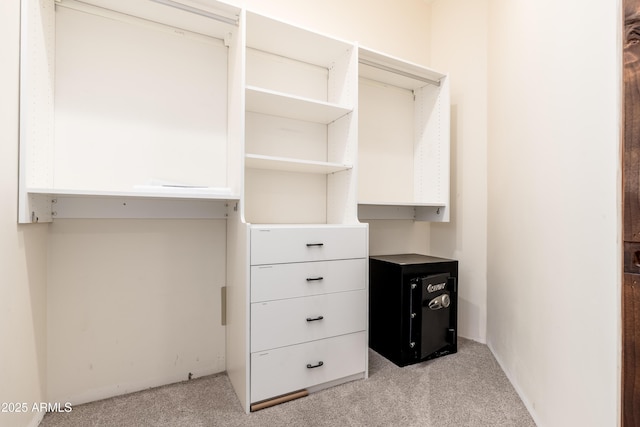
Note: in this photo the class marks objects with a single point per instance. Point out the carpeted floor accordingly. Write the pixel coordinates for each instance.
(463, 389)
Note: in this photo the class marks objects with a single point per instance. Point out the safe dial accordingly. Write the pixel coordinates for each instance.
(441, 301)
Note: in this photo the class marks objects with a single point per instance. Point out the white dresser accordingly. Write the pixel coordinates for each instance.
(308, 307)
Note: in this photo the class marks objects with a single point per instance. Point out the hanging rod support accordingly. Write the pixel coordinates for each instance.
(197, 11)
(399, 72)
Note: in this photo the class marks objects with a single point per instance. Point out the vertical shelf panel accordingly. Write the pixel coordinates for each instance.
(431, 158)
(37, 81)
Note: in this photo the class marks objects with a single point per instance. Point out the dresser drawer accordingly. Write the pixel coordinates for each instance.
(287, 369)
(296, 320)
(277, 281)
(274, 245)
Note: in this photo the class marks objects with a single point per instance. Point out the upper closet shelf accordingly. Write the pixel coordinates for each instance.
(256, 161)
(294, 107)
(169, 203)
(435, 212)
(211, 18)
(147, 191)
(279, 38)
(394, 71)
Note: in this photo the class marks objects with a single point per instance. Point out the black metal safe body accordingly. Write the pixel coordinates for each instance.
(413, 307)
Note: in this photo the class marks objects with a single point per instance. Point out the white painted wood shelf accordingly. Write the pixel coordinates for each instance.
(165, 203)
(402, 210)
(153, 192)
(257, 161)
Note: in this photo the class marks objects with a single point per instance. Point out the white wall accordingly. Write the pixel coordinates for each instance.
(540, 236)
(22, 253)
(132, 304)
(553, 206)
(459, 47)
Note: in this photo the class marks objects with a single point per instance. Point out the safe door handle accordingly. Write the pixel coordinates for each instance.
(309, 245)
(310, 366)
(313, 319)
(314, 279)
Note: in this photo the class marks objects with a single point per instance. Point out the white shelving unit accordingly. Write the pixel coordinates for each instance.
(104, 112)
(198, 109)
(297, 222)
(300, 138)
(404, 140)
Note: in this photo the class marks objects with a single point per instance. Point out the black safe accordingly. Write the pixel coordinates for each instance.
(413, 307)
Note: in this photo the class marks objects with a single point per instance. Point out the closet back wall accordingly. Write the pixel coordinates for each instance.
(132, 304)
(136, 303)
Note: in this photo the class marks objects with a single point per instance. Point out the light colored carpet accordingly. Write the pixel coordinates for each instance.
(463, 389)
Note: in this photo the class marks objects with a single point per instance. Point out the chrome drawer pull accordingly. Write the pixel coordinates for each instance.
(310, 366)
(314, 244)
(313, 319)
(314, 279)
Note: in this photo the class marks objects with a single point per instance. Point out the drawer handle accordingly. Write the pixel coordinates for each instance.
(313, 319)
(310, 366)
(314, 244)
(314, 279)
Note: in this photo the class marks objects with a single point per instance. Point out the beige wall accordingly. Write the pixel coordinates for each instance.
(22, 253)
(398, 27)
(459, 47)
(132, 304)
(535, 198)
(553, 218)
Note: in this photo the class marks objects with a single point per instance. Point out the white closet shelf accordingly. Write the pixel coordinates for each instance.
(394, 71)
(435, 211)
(274, 103)
(257, 161)
(213, 19)
(144, 191)
(287, 40)
(413, 204)
(45, 204)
